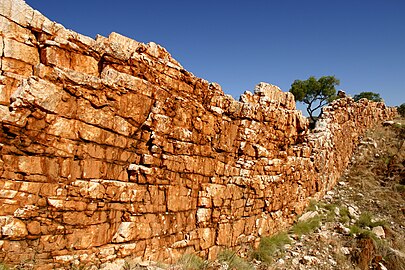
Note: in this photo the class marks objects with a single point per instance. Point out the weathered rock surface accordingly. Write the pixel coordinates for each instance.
(109, 148)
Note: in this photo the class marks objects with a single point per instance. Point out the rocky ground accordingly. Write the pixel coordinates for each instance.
(362, 220)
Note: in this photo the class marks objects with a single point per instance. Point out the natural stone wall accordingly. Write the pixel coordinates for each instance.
(109, 149)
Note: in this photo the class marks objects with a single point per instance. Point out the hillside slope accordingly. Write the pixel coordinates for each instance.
(362, 220)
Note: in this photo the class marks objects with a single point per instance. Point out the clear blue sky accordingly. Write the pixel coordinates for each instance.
(241, 43)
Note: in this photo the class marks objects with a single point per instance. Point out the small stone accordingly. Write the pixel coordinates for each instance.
(34, 227)
(332, 262)
(307, 216)
(336, 210)
(345, 250)
(281, 261)
(382, 267)
(352, 212)
(328, 197)
(295, 254)
(311, 259)
(296, 261)
(379, 232)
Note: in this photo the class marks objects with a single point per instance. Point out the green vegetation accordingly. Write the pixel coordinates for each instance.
(330, 215)
(365, 220)
(401, 109)
(3, 267)
(363, 225)
(233, 261)
(344, 214)
(329, 208)
(399, 188)
(305, 227)
(269, 246)
(362, 233)
(192, 262)
(368, 95)
(315, 93)
(400, 130)
(313, 205)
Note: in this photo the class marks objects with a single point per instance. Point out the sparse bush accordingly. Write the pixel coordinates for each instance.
(80, 267)
(401, 109)
(330, 207)
(3, 267)
(192, 262)
(344, 214)
(127, 266)
(400, 130)
(233, 261)
(362, 233)
(305, 227)
(313, 205)
(330, 211)
(400, 188)
(365, 220)
(394, 259)
(269, 246)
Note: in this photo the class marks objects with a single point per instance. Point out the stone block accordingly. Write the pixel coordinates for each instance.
(12, 228)
(207, 237)
(91, 236)
(30, 165)
(128, 231)
(20, 51)
(84, 63)
(55, 56)
(16, 66)
(180, 199)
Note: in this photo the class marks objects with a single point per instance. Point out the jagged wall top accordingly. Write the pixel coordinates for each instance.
(121, 47)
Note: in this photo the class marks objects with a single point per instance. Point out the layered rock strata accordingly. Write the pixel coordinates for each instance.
(110, 149)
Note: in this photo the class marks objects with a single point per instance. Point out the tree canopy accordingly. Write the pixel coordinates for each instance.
(401, 109)
(368, 95)
(315, 93)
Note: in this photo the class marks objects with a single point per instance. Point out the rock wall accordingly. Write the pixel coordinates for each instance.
(109, 149)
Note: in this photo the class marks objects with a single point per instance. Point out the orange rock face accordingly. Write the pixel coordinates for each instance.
(109, 148)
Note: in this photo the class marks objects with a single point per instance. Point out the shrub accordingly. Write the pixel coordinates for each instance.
(344, 214)
(362, 233)
(269, 246)
(401, 109)
(365, 220)
(3, 267)
(305, 227)
(192, 262)
(233, 260)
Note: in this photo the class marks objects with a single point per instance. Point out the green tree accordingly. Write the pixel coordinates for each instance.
(315, 93)
(368, 95)
(401, 109)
